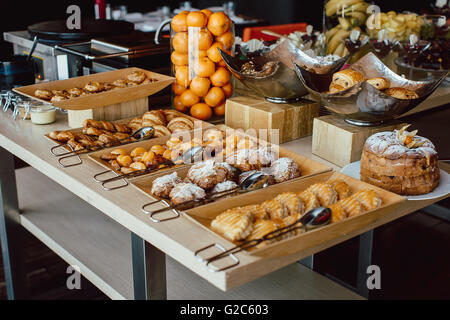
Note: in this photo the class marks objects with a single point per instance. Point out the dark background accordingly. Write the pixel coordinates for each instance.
(19, 14)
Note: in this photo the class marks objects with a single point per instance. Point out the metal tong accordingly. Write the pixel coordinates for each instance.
(312, 219)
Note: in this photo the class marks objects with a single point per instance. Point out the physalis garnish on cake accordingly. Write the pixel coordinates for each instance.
(407, 138)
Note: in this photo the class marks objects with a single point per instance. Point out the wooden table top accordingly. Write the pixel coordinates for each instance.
(178, 238)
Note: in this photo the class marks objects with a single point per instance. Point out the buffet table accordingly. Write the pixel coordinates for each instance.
(93, 249)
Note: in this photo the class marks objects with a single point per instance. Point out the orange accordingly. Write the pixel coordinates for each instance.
(207, 12)
(215, 96)
(178, 105)
(201, 111)
(188, 98)
(204, 67)
(196, 19)
(222, 63)
(213, 52)
(179, 59)
(228, 90)
(205, 39)
(177, 89)
(220, 110)
(178, 23)
(227, 39)
(218, 23)
(182, 76)
(180, 42)
(221, 77)
(199, 53)
(200, 86)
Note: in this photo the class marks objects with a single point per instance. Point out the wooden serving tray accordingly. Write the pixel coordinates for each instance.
(101, 99)
(204, 215)
(307, 166)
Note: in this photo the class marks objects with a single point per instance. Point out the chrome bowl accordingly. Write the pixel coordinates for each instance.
(281, 85)
(363, 104)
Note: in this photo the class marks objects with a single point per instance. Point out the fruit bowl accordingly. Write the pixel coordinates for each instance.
(363, 104)
(280, 83)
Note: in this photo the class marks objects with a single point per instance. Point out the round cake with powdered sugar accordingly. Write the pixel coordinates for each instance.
(401, 162)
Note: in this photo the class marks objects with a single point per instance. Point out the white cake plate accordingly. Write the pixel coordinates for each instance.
(443, 189)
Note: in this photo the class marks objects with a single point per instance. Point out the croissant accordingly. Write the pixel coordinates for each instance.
(155, 116)
(347, 78)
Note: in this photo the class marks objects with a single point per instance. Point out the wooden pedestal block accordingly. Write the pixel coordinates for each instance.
(113, 112)
(292, 121)
(341, 143)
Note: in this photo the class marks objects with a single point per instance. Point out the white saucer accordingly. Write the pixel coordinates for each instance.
(442, 189)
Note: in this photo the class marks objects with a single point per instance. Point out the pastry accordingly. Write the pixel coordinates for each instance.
(309, 199)
(324, 192)
(401, 93)
(138, 166)
(347, 78)
(260, 229)
(184, 192)
(75, 92)
(137, 77)
(275, 209)
(118, 127)
(231, 172)
(43, 94)
(292, 203)
(162, 186)
(120, 83)
(135, 124)
(335, 88)
(161, 131)
(206, 174)
(58, 98)
(257, 211)
(369, 199)
(342, 189)
(94, 86)
(224, 186)
(400, 162)
(249, 159)
(337, 212)
(351, 206)
(170, 114)
(379, 82)
(180, 124)
(234, 224)
(155, 117)
(91, 131)
(285, 169)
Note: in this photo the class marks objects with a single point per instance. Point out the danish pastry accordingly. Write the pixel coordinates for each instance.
(342, 188)
(292, 203)
(137, 77)
(275, 209)
(184, 192)
(120, 83)
(257, 211)
(401, 93)
(43, 94)
(94, 86)
(334, 88)
(260, 229)
(369, 199)
(309, 199)
(234, 224)
(351, 206)
(285, 169)
(230, 171)
(347, 78)
(379, 82)
(250, 159)
(206, 174)
(337, 212)
(325, 193)
(162, 186)
(58, 98)
(224, 186)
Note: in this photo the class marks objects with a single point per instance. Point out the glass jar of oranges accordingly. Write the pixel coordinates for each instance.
(203, 83)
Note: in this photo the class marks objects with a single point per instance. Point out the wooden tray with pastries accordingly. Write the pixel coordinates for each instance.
(220, 173)
(355, 205)
(98, 90)
(97, 134)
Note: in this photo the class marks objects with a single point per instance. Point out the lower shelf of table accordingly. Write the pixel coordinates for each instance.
(85, 237)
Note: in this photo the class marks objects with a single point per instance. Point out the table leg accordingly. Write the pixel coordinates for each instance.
(149, 270)
(11, 232)
(364, 261)
(308, 262)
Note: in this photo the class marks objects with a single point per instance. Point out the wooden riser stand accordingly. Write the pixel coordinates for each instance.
(341, 143)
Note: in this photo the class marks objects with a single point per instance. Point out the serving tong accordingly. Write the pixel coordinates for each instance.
(255, 181)
(144, 133)
(313, 219)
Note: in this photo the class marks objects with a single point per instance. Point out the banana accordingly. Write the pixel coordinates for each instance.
(330, 33)
(340, 50)
(361, 7)
(336, 40)
(359, 18)
(345, 23)
(332, 7)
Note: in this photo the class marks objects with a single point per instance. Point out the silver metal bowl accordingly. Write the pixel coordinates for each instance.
(281, 85)
(363, 104)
